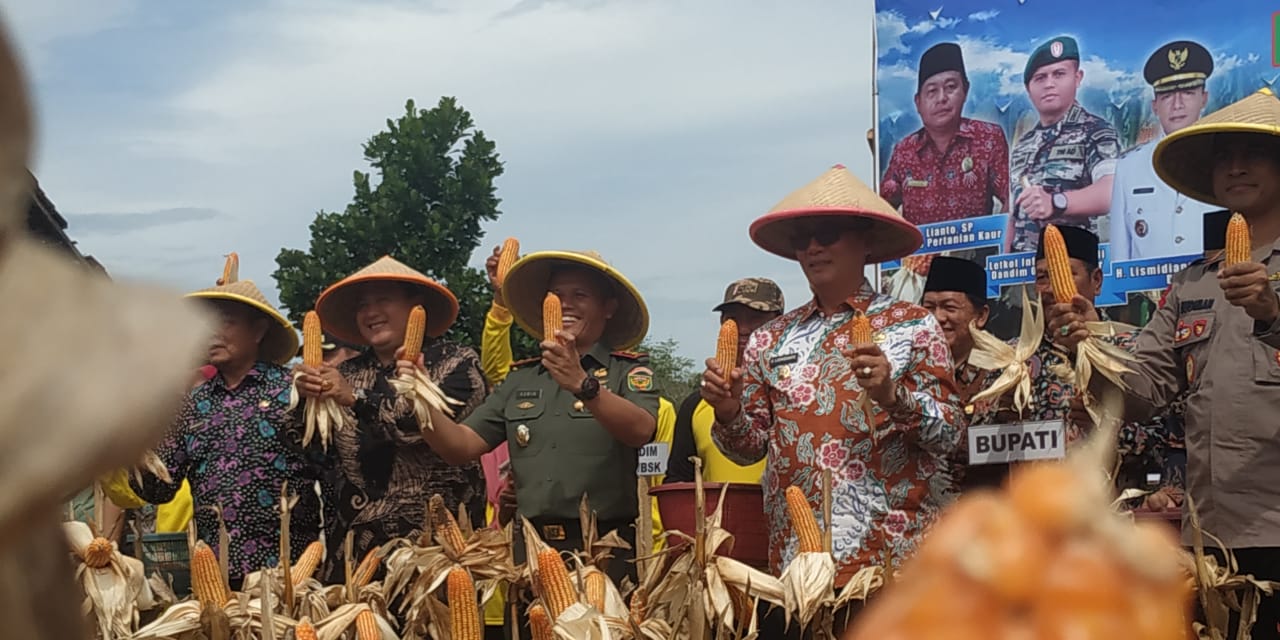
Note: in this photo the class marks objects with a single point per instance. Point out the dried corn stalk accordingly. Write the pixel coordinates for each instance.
(321, 416)
(418, 387)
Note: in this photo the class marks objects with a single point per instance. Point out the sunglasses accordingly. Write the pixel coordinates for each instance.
(825, 234)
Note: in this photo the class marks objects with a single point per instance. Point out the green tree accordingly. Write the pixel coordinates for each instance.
(436, 175)
(674, 375)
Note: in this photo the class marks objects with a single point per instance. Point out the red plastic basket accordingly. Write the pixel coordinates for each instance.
(743, 516)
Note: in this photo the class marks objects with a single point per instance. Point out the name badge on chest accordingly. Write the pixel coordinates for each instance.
(653, 459)
(1017, 442)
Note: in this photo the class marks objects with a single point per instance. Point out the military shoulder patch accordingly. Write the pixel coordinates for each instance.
(640, 379)
(629, 355)
(526, 362)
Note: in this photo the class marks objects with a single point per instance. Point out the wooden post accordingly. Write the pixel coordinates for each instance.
(644, 527)
(826, 510)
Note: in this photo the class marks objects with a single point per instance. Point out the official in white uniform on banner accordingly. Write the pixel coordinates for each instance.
(1149, 219)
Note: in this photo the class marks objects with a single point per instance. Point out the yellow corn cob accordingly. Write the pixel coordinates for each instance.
(206, 577)
(368, 567)
(464, 613)
(727, 347)
(1055, 254)
(803, 522)
(1238, 242)
(230, 270)
(552, 316)
(448, 533)
(595, 589)
(98, 554)
(304, 630)
(540, 625)
(554, 584)
(312, 339)
(367, 626)
(414, 332)
(510, 250)
(307, 563)
(860, 329)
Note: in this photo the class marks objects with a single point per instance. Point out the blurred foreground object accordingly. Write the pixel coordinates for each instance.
(67, 414)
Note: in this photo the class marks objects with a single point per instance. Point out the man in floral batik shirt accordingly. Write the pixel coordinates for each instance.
(799, 395)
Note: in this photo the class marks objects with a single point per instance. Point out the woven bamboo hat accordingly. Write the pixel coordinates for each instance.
(281, 342)
(1184, 158)
(93, 370)
(336, 306)
(837, 194)
(526, 286)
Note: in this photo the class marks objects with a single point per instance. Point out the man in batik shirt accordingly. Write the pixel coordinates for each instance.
(388, 471)
(956, 294)
(883, 416)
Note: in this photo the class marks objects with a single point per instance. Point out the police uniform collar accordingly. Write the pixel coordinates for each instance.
(859, 300)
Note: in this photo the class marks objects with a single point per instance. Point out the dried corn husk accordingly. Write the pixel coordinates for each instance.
(1095, 353)
(992, 354)
(424, 394)
(114, 593)
(1221, 589)
(320, 416)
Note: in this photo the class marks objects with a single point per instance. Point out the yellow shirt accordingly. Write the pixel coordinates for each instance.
(715, 466)
(495, 361)
(171, 517)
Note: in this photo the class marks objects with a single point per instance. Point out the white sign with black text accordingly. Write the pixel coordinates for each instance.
(653, 459)
(1018, 442)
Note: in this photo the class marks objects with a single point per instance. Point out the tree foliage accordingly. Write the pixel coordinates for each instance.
(435, 188)
(674, 375)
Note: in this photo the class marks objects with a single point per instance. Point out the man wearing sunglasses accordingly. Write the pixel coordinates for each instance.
(881, 413)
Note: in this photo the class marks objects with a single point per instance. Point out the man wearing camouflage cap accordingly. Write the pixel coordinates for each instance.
(1150, 219)
(751, 303)
(1061, 170)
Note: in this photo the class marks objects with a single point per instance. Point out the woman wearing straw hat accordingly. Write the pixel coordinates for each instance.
(232, 440)
(883, 416)
(574, 418)
(388, 472)
(1217, 338)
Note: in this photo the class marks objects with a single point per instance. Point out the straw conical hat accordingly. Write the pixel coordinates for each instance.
(93, 371)
(281, 343)
(526, 286)
(336, 306)
(838, 193)
(1184, 158)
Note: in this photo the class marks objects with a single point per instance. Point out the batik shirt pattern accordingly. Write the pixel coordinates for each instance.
(802, 406)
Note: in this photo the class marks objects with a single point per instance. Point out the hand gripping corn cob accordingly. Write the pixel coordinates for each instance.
(320, 416)
(860, 334)
(1092, 353)
(1239, 245)
(507, 257)
(727, 347)
(552, 316)
(418, 387)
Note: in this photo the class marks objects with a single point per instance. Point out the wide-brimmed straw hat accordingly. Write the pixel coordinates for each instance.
(1184, 158)
(526, 285)
(336, 306)
(281, 342)
(93, 370)
(838, 194)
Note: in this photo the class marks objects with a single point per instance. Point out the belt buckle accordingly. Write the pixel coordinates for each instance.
(552, 532)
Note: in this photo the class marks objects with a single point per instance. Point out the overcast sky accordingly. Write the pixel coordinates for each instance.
(174, 132)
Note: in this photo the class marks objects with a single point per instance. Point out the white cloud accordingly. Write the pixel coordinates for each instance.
(1253, 57)
(983, 16)
(644, 130)
(892, 27)
(36, 25)
(1224, 63)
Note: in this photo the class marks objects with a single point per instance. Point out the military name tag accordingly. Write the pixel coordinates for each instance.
(1018, 442)
(653, 459)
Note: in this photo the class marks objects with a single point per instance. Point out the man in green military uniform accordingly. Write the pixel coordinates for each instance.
(575, 418)
(1061, 170)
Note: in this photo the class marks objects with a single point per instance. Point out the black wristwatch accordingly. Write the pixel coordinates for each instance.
(590, 389)
(1059, 203)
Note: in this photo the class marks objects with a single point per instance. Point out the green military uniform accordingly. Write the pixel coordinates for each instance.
(1070, 154)
(558, 450)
